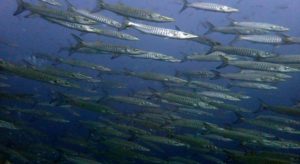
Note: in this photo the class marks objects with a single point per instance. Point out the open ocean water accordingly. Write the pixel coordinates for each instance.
(148, 81)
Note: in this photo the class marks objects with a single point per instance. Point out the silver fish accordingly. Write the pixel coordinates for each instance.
(235, 30)
(90, 29)
(267, 39)
(264, 66)
(208, 6)
(96, 17)
(286, 59)
(158, 31)
(261, 25)
(214, 56)
(252, 85)
(52, 2)
(127, 11)
(241, 51)
(53, 13)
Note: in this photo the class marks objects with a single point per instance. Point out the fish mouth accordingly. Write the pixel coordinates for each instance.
(168, 19)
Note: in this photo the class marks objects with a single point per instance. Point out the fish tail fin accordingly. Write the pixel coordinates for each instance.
(78, 45)
(70, 7)
(104, 97)
(217, 74)
(239, 118)
(185, 5)
(185, 57)
(100, 5)
(224, 62)
(21, 7)
(210, 28)
(262, 106)
(211, 50)
(234, 40)
(125, 25)
(177, 73)
(127, 71)
(229, 85)
(58, 99)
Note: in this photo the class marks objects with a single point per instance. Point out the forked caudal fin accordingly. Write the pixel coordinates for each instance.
(21, 7)
(100, 5)
(210, 27)
(185, 5)
(224, 62)
(79, 44)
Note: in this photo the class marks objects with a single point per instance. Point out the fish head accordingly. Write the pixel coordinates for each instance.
(279, 28)
(184, 35)
(228, 9)
(83, 20)
(134, 51)
(160, 18)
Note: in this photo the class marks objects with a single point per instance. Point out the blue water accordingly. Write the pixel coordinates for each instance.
(33, 35)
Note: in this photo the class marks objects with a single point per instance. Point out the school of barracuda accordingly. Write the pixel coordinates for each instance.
(174, 123)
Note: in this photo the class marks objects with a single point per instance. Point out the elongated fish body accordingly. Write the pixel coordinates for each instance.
(104, 47)
(214, 56)
(90, 29)
(252, 85)
(264, 66)
(158, 31)
(284, 59)
(250, 77)
(96, 17)
(241, 51)
(279, 120)
(53, 13)
(291, 111)
(157, 56)
(52, 2)
(219, 95)
(209, 86)
(266, 39)
(35, 75)
(183, 100)
(209, 7)
(265, 73)
(240, 30)
(196, 74)
(127, 11)
(135, 101)
(261, 25)
(7, 125)
(206, 41)
(156, 77)
(194, 95)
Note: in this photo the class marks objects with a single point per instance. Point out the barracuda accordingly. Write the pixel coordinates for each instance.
(261, 25)
(96, 17)
(241, 51)
(52, 2)
(134, 101)
(127, 11)
(159, 31)
(155, 77)
(107, 48)
(264, 66)
(90, 29)
(251, 85)
(53, 13)
(284, 59)
(208, 6)
(35, 75)
(211, 57)
(235, 30)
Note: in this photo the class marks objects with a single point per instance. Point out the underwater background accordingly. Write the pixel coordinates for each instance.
(106, 118)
